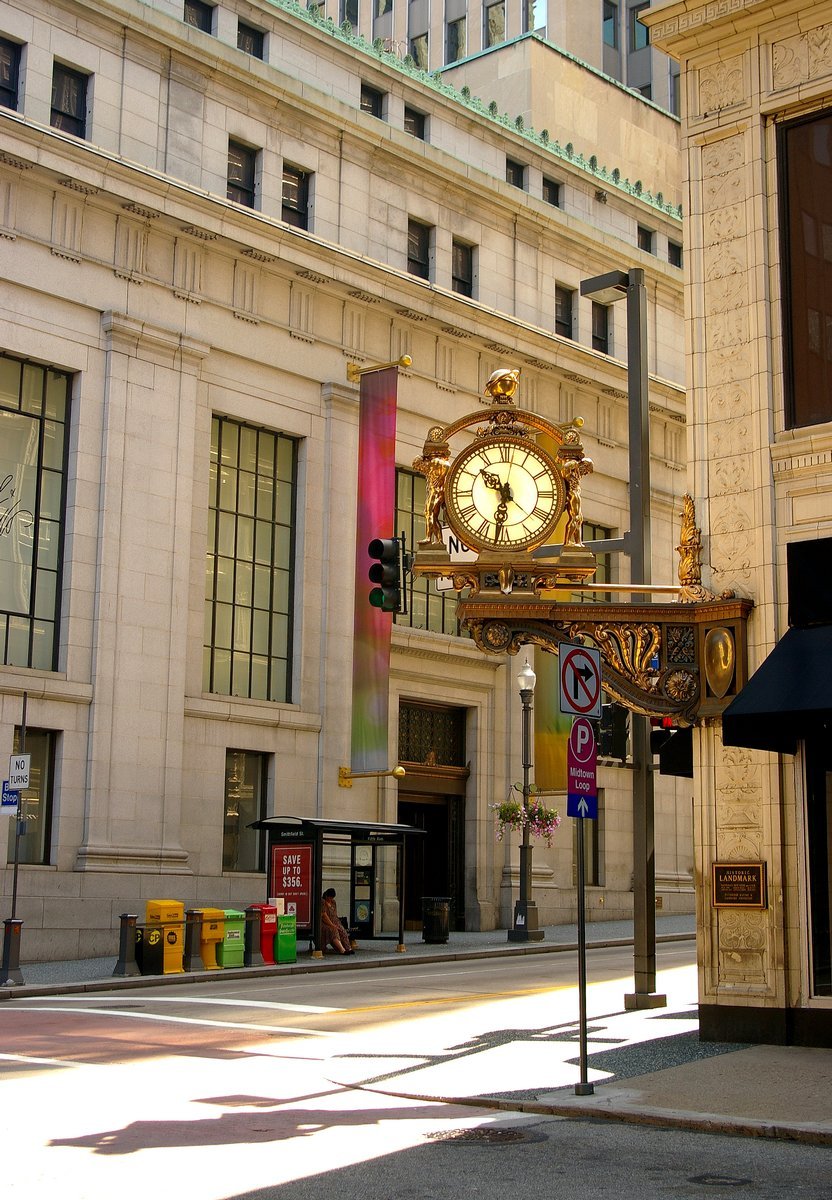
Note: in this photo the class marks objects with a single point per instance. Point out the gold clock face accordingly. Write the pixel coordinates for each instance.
(504, 493)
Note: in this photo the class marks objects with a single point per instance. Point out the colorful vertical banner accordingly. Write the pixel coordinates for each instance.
(374, 518)
(551, 726)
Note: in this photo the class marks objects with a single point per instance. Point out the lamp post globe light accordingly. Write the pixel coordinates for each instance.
(525, 925)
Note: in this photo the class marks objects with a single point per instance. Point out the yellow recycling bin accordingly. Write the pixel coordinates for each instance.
(170, 915)
(213, 931)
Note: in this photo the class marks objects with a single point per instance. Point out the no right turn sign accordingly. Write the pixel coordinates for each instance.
(580, 681)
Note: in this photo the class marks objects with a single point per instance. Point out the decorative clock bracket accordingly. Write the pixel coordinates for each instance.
(685, 659)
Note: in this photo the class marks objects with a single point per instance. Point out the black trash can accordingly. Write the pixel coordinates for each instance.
(436, 919)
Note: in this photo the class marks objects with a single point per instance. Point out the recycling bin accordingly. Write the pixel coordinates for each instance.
(436, 919)
(286, 942)
(213, 920)
(170, 915)
(268, 930)
(231, 949)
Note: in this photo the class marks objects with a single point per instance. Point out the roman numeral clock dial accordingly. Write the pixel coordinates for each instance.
(504, 493)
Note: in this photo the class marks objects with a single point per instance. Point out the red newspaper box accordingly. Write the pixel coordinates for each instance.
(268, 929)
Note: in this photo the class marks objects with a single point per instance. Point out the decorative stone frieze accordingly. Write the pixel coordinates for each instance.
(8, 208)
(690, 22)
(130, 250)
(11, 160)
(204, 235)
(246, 286)
(67, 223)
(802, 58)
(187, 271)
(141, 210)
(75, 185)
(302, 313)
(354, 329)
(258, 255)
(721, 85)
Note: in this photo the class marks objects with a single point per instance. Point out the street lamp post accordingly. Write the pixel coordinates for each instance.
(636, 543)
(525, 927)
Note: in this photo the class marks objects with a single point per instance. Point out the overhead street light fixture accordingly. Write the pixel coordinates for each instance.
(606, 288)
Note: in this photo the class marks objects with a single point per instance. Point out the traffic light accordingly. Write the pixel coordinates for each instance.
(612, 734)
(674, 747)
(388, 574)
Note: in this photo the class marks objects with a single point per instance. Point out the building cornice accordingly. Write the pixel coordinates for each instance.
(189, 41)
(232, 230)
(669, 23)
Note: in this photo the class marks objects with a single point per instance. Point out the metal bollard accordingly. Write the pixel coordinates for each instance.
(10, 974)
(127, 964)
(192, 958)
(253, 956)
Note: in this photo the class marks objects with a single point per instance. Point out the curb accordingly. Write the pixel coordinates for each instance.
(118, 983)
(658, 1118)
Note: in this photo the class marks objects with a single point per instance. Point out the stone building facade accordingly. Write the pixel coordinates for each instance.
(757, 92)
(199, 231)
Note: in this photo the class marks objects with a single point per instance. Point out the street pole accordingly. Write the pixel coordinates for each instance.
(607, 289)
(644, 861)
(10, 973)
(525, 926)
(19, 818)
(584, 1087)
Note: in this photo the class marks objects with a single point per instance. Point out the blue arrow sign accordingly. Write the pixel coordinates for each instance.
(582, 806)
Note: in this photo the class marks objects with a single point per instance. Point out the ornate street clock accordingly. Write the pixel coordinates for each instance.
(504, 493)
(513, 491)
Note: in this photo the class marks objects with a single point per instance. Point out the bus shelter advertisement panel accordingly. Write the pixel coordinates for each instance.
(291, 879)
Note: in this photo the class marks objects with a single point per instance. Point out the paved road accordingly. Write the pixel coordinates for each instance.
(282, 1089)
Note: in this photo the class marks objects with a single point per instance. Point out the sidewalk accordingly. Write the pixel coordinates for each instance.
(647, 1067)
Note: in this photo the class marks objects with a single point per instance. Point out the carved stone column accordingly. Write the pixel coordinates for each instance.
(139, 620)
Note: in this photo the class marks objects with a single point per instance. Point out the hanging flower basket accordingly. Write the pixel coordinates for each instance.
(510, 815)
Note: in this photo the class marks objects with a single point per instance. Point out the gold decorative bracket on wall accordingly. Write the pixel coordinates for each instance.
(346, 775)
(686, 659)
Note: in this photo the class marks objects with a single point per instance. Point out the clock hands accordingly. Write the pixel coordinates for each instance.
(494, 482)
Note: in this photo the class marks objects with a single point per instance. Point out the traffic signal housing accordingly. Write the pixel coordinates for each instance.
(612, 732)
(674, 746)
(388, 574)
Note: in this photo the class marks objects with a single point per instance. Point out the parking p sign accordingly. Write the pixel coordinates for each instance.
(19, 772)
(581, 771)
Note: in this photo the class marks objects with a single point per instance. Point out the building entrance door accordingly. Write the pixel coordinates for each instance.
(434, 864)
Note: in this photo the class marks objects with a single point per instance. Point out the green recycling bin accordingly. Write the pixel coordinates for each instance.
(231, 949)
(286, 942)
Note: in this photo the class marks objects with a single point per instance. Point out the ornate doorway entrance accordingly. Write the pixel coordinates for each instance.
(432, 798)
(434, 864)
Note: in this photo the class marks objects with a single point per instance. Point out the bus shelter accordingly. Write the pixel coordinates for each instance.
(364, 861)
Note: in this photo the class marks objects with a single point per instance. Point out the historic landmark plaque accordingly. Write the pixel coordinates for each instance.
(739, 885)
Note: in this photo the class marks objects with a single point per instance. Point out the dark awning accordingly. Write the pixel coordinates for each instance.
(374, 831)
(788, 698)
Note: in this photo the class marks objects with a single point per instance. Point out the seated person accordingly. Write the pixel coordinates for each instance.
(334, 930)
